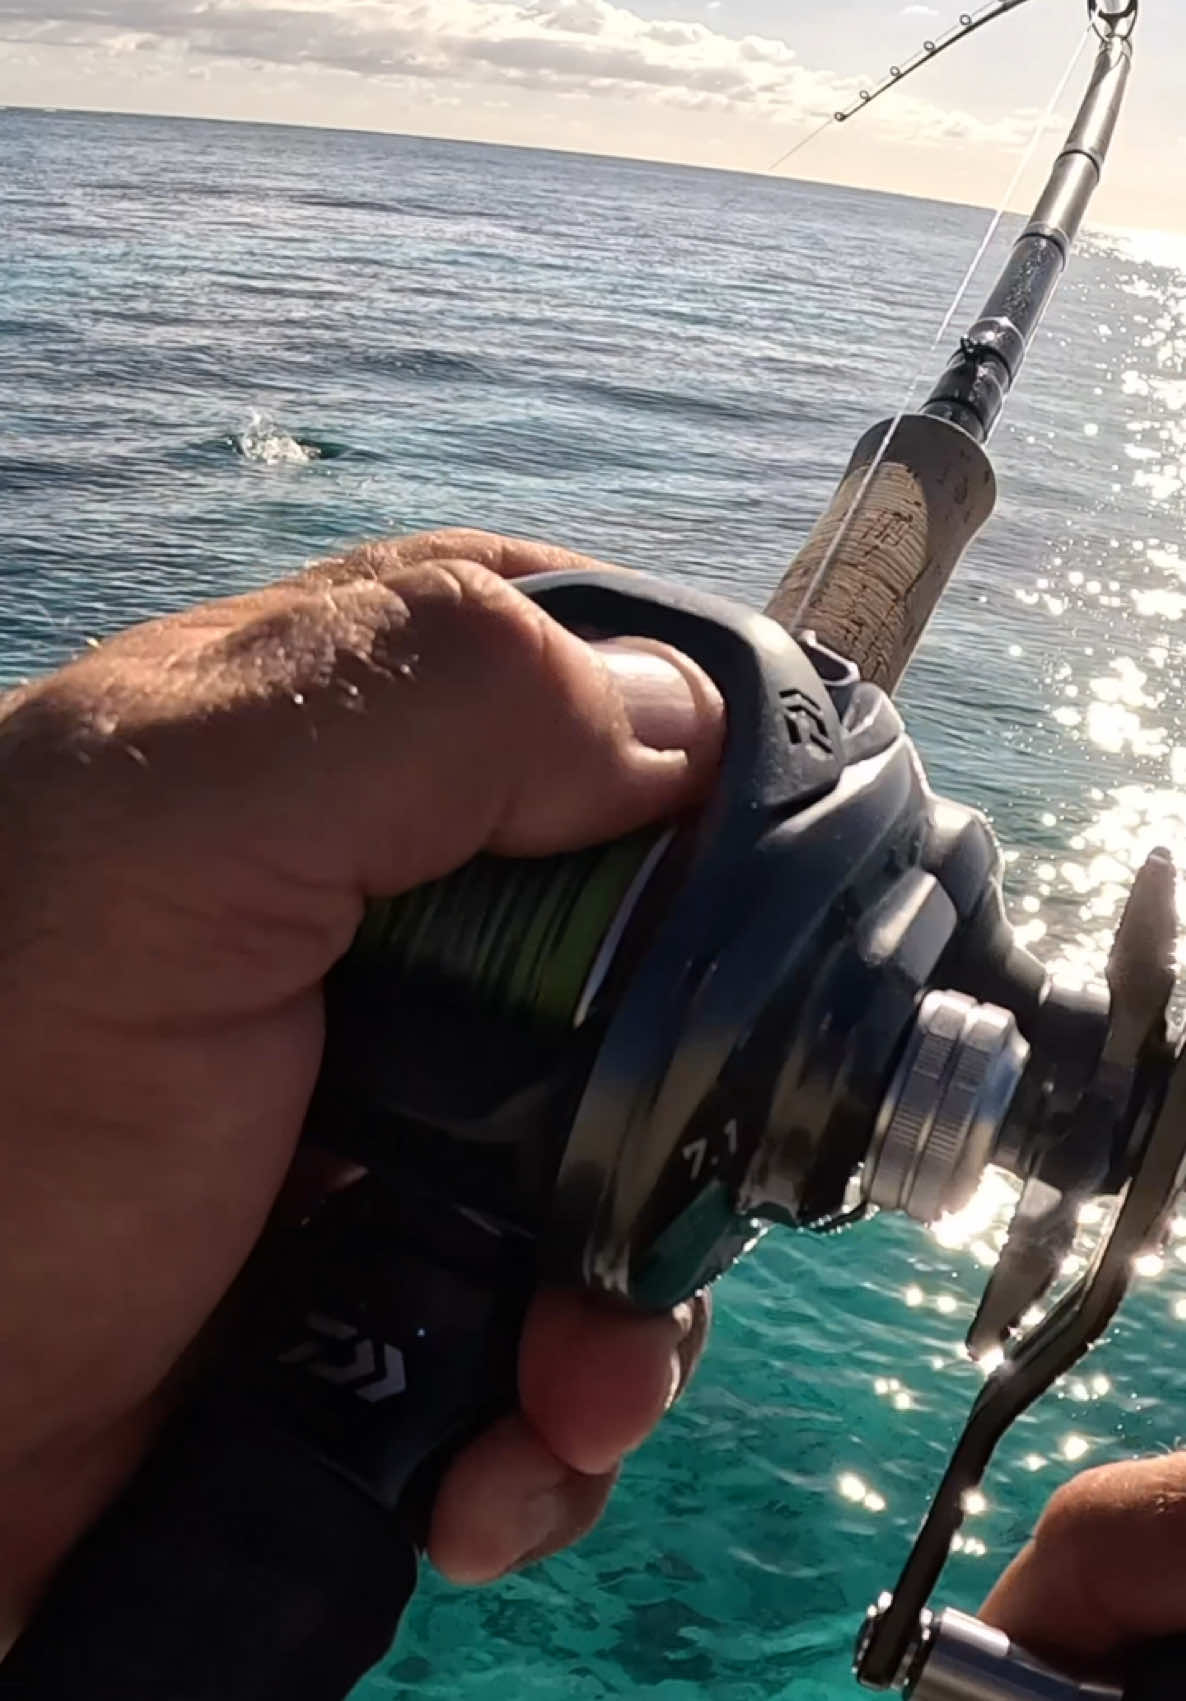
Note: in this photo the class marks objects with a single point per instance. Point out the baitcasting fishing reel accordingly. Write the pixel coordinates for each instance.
(802, 1006)
(805, 1004)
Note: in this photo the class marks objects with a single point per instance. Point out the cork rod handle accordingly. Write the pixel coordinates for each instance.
(931, 494)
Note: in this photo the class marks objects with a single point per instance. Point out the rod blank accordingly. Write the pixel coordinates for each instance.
(976, 385)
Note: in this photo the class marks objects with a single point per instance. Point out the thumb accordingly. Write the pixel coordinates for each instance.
(364, 735)
(1106, 1567)
(448, 714)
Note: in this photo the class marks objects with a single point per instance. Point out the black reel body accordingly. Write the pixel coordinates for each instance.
(727, 1060)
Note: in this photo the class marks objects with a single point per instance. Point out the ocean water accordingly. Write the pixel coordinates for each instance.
(667, 368)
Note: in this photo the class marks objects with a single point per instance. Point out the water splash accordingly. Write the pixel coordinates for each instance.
(268, 444)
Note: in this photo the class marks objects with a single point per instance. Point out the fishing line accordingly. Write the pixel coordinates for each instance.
(531, 941)
(994, 225)
(803, 142)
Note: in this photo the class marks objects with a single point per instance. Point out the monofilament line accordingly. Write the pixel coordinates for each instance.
(803, 142)
(994, 224)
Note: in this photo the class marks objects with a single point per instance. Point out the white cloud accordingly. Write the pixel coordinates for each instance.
(555, 43)
(564, 47)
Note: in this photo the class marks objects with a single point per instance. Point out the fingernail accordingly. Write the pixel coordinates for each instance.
(676, 1386)
(668, 709)
(692, 1320)
(684, 1316)
(539, 1521)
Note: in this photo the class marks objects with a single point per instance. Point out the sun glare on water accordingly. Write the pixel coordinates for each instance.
(1101, 617)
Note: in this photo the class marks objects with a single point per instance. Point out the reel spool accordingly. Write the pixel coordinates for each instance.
(528, 941)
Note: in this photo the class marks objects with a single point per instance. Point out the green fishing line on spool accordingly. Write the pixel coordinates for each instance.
(520, 938)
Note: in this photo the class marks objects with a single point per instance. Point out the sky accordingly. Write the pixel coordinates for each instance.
(732, 83)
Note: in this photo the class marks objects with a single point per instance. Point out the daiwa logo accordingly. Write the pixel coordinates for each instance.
(337, 1353)
(806, 724)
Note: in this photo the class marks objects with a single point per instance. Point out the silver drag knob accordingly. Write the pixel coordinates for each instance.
(945, 1107)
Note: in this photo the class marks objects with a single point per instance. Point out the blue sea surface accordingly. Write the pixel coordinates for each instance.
(667, 368)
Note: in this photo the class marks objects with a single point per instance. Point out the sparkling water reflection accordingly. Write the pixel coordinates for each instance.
(1099, 630)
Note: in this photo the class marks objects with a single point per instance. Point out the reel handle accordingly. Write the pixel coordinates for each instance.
(958, 1658)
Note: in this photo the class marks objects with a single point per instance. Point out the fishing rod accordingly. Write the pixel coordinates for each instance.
(616, 1069)
(968, 25)
(903, 556)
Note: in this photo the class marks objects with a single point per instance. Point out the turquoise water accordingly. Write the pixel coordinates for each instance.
(669, 368)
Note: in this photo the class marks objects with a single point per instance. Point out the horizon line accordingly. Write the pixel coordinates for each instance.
(765, 176)
(768, 175)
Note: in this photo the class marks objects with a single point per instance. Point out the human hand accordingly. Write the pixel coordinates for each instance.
(194, 814)
(1106, 1569)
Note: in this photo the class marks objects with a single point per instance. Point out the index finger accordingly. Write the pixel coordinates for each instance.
(509, 557)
